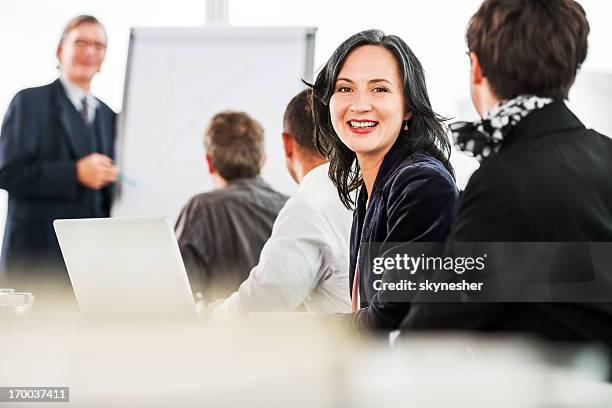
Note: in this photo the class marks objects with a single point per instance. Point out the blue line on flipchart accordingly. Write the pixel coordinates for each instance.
(122, 178)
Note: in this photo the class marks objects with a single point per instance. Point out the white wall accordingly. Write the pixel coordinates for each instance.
(30, 30)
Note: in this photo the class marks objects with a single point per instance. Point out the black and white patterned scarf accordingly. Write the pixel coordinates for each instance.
(484, 138)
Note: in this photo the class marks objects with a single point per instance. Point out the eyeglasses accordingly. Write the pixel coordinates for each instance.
(84, 44)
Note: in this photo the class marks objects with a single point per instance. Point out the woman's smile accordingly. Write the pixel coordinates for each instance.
(362, 126)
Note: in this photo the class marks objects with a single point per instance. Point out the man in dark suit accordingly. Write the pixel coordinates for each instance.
(56, 158)
(543, 177)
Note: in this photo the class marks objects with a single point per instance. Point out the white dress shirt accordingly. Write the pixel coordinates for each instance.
(75, 94)
(305, 261)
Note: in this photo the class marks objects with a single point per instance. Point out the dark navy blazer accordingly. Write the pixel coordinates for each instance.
(39, 147)
(413, 199)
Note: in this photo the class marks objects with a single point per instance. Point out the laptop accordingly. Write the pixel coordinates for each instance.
(130, 266)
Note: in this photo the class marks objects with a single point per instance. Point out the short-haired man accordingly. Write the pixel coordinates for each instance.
(222, 232)
(305, 261)
(56, 157)
(544, 177)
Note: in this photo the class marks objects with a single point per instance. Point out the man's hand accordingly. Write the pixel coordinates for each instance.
(96, 171)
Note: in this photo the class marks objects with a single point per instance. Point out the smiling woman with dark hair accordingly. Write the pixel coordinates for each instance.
(375, 123)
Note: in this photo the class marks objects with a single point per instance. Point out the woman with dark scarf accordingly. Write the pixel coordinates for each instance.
(375, 124)
(543, 176)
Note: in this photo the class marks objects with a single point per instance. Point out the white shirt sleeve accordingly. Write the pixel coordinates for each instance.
(290, 265)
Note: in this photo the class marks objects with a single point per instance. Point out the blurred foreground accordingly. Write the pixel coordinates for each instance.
(284, 360)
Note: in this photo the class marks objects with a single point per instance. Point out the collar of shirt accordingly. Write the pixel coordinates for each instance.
(75, 94)
(315, 175)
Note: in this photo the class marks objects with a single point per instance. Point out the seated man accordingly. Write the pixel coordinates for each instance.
(544, 178)
(305, 261)
(221, 232)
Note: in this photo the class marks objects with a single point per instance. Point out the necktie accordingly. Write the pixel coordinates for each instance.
(85, 110)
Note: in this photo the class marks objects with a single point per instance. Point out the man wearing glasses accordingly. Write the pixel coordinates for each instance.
(56, 159)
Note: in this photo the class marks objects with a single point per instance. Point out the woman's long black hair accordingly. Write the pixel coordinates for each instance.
(426, 130)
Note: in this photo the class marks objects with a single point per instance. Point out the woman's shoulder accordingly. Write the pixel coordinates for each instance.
(422, 169)
(420, 199)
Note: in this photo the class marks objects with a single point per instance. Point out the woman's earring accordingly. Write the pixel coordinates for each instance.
(406, 125)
